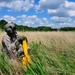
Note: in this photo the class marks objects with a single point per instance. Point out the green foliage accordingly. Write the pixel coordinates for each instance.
(67, 29)
(40, 28)
(2, 24)
(37, 67)
(4, 65)
(56, 56)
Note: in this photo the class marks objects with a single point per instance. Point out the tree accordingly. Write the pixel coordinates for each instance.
(2, 24)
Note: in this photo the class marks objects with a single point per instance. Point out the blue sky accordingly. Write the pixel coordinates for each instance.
(34, 13)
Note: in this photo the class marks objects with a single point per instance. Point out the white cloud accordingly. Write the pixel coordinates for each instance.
(66, 25)
(60, 8)
(50, 25)
(61, 12)
(69, 5)
(2, 4)
(71, 13)
(33, 20)
(62, 22)
(22, 17)
(61, 19)
(17, 5)
(8, 18)
(27, 4)
(66, 10)
(50, 4)
(37, 9)
(18, 22)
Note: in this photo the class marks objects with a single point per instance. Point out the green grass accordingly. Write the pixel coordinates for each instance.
(53, 56)
(4, 65)
(36, 68)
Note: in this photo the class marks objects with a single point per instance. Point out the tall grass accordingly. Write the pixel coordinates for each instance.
(4, 65)
(52, 53)
(37, 66)
(8, 67)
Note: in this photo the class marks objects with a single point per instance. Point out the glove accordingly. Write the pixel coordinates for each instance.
(21, 38)
(17, 43)
(20, 54)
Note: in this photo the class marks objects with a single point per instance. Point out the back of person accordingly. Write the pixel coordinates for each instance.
(10, 45)
(12, 42)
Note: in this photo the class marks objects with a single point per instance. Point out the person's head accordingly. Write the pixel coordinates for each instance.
(10, 28)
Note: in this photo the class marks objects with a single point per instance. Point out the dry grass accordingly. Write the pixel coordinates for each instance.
(1, 35)
(59, 40)
(57, 49)
(41, 36)
(44, 37)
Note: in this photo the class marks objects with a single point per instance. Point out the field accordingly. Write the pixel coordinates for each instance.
(52, 53)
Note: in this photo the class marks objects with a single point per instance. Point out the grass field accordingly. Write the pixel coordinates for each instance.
(52, 53)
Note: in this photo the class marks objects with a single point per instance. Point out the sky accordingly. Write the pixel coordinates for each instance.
(34, 13)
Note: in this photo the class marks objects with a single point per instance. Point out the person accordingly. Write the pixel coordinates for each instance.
(11, 42)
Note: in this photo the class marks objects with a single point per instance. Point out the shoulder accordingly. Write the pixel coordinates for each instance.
(5, 37)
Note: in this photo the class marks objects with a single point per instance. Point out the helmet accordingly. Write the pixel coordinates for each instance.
(10, 28)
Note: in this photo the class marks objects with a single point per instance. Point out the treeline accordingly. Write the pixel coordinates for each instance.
(2, 24)
(40, 28)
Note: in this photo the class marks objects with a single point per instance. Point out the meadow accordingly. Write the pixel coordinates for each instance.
(52, 53)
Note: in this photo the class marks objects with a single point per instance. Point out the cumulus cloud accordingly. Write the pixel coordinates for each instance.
(71, 13)
(66, 24)
(50, 4)
(33, 21)
(60, 19)
(2, 4)
(69, 5)
(17, 5)
(60, 8)
(28, 4)
(9, 18)
(22, 17)
(62, 22)
(61, 12)
(14, 6)
(66, 10)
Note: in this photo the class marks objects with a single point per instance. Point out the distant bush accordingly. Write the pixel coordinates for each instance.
(40, 28)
